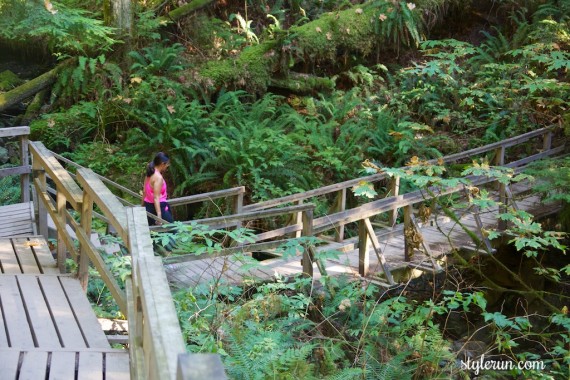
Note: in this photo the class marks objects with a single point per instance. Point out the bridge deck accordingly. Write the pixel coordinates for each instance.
(48, 329)
(231, 270)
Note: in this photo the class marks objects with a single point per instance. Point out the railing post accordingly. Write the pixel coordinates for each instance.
(500, 161)
(86, 224)
(408, 248)
(340, 205)
(547, 141)
(238, 206)
(299, 220)
(61, 202)
(24, 161)
(42, 211)
(395, 191)
(363, 256)
(307, 261)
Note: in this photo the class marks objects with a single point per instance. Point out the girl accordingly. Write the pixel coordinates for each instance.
(154, 189)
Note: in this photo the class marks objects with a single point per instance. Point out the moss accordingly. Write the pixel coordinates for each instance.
(251, 70)
(9, 80)
(349, 29)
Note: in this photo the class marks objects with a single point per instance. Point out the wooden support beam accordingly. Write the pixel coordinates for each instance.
(394, 191)
(340, 206)
(307, 261)
(378, 250)
(408, 248)
(363, 243)
(86, 223)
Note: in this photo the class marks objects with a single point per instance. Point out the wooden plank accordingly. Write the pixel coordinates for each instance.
(117, 366)
(207, 196)
(62, 365)
(199, 367)
(84, 314)
(17, 170)
(161, 320)
(14, 131)
(34, 365)
(8, 259)
(57, 173)
(14, 313)
(43, 255)
(9, 366)
(43, 329)
(90, 366)
(25, 256)
(312, 193)
(107, 201)
(63, 318)
(4, 343)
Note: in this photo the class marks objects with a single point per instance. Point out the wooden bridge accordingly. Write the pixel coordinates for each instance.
(381, 247)
(50, 331)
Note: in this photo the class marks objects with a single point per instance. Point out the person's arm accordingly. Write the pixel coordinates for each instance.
(156, 188)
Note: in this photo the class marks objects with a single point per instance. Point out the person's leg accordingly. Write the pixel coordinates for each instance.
(150, 208)
(166, 213)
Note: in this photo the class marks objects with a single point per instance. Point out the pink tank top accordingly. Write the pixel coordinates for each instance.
(148, 194)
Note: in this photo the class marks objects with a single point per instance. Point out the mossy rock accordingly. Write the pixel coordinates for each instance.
(9, 80)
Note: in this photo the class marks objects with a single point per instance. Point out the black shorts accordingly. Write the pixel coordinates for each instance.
(164, 210)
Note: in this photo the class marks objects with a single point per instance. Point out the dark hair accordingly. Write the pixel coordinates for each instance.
(160, 158)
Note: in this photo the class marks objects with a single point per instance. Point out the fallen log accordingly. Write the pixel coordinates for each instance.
(186, 9)
(29, 89)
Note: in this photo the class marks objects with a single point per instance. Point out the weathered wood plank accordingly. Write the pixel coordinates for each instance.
(43, 255)
(18, 170)
(69, 331)
(14, 131)
(62, 365)
(117, 366)
(34, 365)
(9, 366)
(90, 366)
(8, 259)
(107, 201)
(42, 326)
(4, 343)
(160, 316)
(25, 256)
(15, 320)
(57, 173)
(84, 314)
(207, 196)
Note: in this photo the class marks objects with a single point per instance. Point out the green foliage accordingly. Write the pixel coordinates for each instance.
(9, 188)
(157, 59)
(67, 32)
(399, 22)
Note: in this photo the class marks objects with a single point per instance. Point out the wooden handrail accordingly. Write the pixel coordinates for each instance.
(153, 321)
(14, 131)
(43, 159)
(388, 204)
(312, 193)
(377, 177)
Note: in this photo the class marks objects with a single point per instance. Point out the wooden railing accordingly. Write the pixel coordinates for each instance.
(361, 215)
(237, 193)
(156, 344)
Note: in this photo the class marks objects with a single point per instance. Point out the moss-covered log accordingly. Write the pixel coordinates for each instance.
(30, 88)
(187, 9)
(303, 83)
(353, 30)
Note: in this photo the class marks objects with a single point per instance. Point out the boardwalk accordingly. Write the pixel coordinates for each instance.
(440, 234)
(49, 330)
